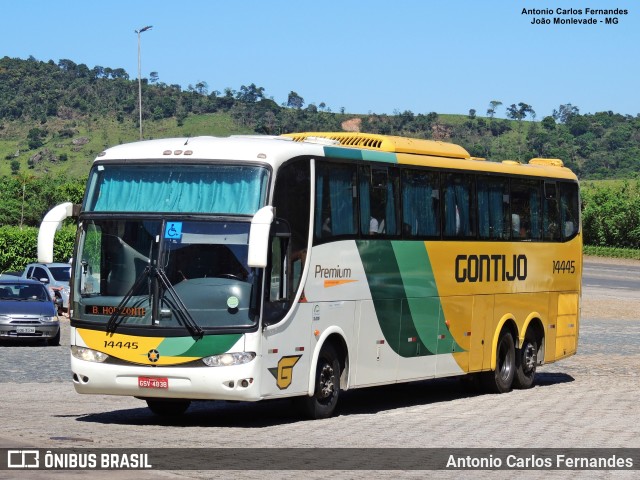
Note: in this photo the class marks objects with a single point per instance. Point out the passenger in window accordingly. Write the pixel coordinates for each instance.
(374, 226)
(326, 227)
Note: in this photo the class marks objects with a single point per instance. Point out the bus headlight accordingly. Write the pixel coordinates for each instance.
(88, 355)
(228, 359)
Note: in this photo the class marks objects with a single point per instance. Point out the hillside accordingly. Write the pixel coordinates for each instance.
(55, 117)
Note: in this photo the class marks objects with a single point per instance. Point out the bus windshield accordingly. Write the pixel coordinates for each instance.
(212, 189)
(157, 272)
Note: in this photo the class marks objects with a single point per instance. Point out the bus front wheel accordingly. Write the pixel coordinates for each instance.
(327, 386)
(526, 361)
(501, 379)
(168, 408)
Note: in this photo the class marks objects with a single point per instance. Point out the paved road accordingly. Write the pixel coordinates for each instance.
(618, 279)
(589, 400)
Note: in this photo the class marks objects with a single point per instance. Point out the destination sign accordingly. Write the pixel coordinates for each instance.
(110, 310)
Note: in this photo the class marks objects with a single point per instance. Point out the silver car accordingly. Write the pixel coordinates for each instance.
(27, 311)
(55, 276)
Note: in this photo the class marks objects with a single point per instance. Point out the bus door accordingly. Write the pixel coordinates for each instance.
(285, 346)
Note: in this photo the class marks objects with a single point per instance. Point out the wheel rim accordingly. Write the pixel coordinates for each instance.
(326, 382)
(529, 357)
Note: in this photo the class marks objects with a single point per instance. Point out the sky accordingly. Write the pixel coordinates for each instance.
(363, 56)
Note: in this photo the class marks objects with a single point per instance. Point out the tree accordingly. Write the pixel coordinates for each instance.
(520, 112)
(565, 113)
(24, 179)
(250, 94)
(202, 88)
(153, 77)
(294, 100)
(548, 123)
(491, 111)
(35, 138)
(472, 114)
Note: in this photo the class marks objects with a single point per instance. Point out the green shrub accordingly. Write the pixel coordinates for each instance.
(19, 246)
(611, 214)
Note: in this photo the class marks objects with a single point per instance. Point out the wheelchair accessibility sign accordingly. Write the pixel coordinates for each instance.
(173, 230)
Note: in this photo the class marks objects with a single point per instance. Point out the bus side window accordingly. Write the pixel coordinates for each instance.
(379, 201)
(493, 207)
(278, 298)
(420, 204)
(336, 201)
(550, 213)
(569, 210)
(525, 209)
(292, 201)
(459, 205)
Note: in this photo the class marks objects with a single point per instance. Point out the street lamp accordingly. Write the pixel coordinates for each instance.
(144, 29)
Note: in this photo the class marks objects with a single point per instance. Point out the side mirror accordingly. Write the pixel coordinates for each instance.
(259, 237)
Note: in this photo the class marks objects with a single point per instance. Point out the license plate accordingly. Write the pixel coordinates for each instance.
(153, 382)
(25, 329)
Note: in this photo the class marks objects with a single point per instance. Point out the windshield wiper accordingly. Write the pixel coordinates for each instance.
(117, 316)
(181, 312)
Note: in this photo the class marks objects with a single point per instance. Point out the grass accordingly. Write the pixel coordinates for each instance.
(101, 133)
(613, 252)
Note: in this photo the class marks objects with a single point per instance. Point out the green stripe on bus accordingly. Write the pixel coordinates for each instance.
(337, 152)
(203, 347)
(403, 288)
(357, 154)
(422, 296)
(389, 298)
(376, 156)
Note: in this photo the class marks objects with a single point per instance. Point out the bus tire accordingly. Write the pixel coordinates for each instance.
(501, 379)
(168, 407)
(327, 386)
(526, 362)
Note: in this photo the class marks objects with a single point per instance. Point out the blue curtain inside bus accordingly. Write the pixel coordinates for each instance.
(341, 193)
(536, 224)
(491, 210)
(211, 189)
(390, 213)
(365, 204)
(418, 207)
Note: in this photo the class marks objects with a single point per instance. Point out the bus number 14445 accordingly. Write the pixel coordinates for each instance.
(564, 266)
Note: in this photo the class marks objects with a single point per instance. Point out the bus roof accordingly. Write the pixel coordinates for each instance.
(258, 148)
(428, 153)
(274, 150)
(387, 143)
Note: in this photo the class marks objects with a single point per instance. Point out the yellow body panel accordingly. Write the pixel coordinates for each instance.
(478, 301)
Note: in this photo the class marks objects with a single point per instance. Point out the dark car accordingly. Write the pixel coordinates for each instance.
(27, 311)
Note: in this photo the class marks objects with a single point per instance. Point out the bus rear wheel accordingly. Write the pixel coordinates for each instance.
(526, 362)
(327, 387)
(168, 407)
(501, 379)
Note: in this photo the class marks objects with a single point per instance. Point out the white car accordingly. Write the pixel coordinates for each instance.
(55, 276)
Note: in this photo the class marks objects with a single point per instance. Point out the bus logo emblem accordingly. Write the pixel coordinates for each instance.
(153, 355)
(284, 372)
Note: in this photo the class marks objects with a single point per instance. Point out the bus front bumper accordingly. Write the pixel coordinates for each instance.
(238, 382)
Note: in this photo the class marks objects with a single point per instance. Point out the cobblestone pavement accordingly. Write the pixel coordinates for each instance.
(588, 400)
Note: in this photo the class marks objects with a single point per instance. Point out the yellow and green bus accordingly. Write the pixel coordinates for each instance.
(253, 267)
